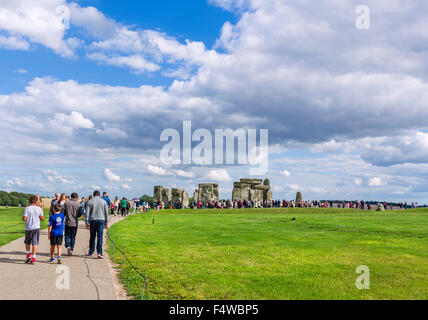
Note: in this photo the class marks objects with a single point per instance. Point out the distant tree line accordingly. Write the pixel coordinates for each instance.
(14, 199)
(148, 199)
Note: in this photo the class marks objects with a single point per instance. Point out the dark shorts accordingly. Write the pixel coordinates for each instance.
(32, 237)
(56, 241)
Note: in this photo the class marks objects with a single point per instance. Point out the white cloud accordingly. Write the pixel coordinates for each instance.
(184, 174)
(358, 181)
(21, 71)
(369, 99)
(220, 175)
(156, 170)
(68, 123)
(54, 177)
(111, 132)
(13, 43)
(285, 173)
(232, 4)
(35, 21)
(375, 182)
(110, 176)
(126, 187)
(410, 148)
(135, 62)
(294, 187)
(14, 182)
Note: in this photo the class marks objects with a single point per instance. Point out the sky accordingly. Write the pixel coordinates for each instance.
(87, 88)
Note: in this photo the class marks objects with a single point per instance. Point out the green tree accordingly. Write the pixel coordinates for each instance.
(14, 198)
(147, 198)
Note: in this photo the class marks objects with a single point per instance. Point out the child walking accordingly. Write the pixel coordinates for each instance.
(56, 233)
(32, 216)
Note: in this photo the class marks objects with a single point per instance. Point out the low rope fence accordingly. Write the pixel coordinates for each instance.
(4, 231)
(124, 258)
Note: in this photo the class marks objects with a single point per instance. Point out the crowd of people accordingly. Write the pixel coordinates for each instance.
(65, 211)
(64, 214)
(246, 204)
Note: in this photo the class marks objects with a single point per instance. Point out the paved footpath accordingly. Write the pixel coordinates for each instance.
(90, 278)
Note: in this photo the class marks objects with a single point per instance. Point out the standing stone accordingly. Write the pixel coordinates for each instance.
(180, 195)
(237, 192)
(157, 193)
(299, 197)
(185, 199)
(268, 195)
(252, 190)
(176, 194)
(196, 195)
(380, 207)
(206, 192)
(166, 196)
(216, 192)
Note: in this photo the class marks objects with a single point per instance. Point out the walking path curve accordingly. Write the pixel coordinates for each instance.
(90, 278)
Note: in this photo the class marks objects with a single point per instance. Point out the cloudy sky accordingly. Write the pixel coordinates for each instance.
(83, 107)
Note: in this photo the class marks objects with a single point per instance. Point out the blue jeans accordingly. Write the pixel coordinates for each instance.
(96, 230)
(70, 237)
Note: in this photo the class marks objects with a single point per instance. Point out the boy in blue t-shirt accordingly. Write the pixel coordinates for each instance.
(56, 232)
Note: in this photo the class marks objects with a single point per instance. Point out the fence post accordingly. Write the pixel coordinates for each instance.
(143, 295)
(114, 251)
(121, 267)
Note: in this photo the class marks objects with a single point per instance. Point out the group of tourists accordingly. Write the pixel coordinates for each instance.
(246, 204)
(228, 204)
(160, 205)
(64, 213)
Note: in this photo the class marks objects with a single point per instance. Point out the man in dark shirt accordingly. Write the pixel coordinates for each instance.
(73, 211)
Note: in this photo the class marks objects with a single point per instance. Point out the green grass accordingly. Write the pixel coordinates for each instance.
(263, 254)
(12, 217)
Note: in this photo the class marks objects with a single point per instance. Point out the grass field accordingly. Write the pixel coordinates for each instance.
(264, 254)
(12, 217)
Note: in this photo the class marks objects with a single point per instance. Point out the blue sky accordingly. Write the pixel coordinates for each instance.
(196, 20)
(345, 108)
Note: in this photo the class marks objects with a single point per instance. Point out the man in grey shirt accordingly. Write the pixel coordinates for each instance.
(72, 211)
(96, 221)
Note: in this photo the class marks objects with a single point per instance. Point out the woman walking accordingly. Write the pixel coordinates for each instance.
(116, 206)
(53, 203)
(40, 203)
(62, 201)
